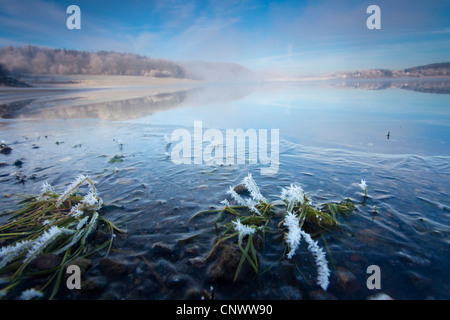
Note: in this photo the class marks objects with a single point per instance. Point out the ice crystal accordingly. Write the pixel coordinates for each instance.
(71, 189)
(46, 188)
(8, 253)
(45, 239)
(90, 199)
(243, 202)
(243, 230)
(363, 184)
(75, 211)
(321, 261)
(30, 294)
(293, 195)
(90, 226)
(253, 188)
(293, 237)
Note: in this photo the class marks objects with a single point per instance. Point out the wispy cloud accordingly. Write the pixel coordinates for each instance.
(291, 35)
(31, 19)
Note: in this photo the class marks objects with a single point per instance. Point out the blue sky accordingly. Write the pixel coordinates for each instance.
(293, 37)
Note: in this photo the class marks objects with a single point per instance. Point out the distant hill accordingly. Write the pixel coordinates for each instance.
(46, 61)
(430, 70)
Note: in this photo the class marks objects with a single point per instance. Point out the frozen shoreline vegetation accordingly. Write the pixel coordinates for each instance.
(52, 227)
(58, 228)
(253, 215)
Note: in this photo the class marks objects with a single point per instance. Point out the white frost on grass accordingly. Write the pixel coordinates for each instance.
(30, 294)
(242, 229)
(293, 238)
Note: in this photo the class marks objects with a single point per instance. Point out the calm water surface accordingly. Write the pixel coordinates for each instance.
(330, 138)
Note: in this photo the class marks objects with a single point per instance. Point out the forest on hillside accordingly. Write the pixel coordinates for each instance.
(40, 60)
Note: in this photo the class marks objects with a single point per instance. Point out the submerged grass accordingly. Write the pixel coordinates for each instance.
(50, 224)
(251, 216)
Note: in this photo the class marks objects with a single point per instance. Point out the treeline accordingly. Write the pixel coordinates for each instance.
(430, 70)
(39, 60)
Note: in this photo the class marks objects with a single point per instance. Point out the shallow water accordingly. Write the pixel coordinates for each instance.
(330, 138)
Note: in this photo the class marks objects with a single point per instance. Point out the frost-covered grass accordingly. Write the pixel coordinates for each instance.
(49, 223)
(301, 220)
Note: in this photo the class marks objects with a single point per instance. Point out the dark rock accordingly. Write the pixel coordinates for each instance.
(112, 268)
(5, 149)
(83, 263)
(192, 250)
(290, 293)
(177, 281)
(345, 281)
(240, 188)
(197, 262)
(321, 295)
(18, 163)
(45, 262)
(93, 284)
(226, 265)
(145, 288)
(163, 249)
(194, 294)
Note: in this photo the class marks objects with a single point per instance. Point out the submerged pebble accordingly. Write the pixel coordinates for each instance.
(321, 295)
(345, 281)
(413, 259)
(93, 284)
(380, 296)
(18, 163)
(83, 263)
(45, 262)
(112, 268)
(5, 149)
(197, 262)
(163, 249)
(224, 268)
(290, 293)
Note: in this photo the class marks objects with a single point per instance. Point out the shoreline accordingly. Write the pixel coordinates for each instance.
(100, 81)
(92, 89)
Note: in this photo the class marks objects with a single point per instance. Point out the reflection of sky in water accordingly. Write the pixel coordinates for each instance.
(308, 114)
(332, 118)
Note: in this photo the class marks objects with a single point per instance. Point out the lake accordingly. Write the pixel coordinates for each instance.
(331, 135)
